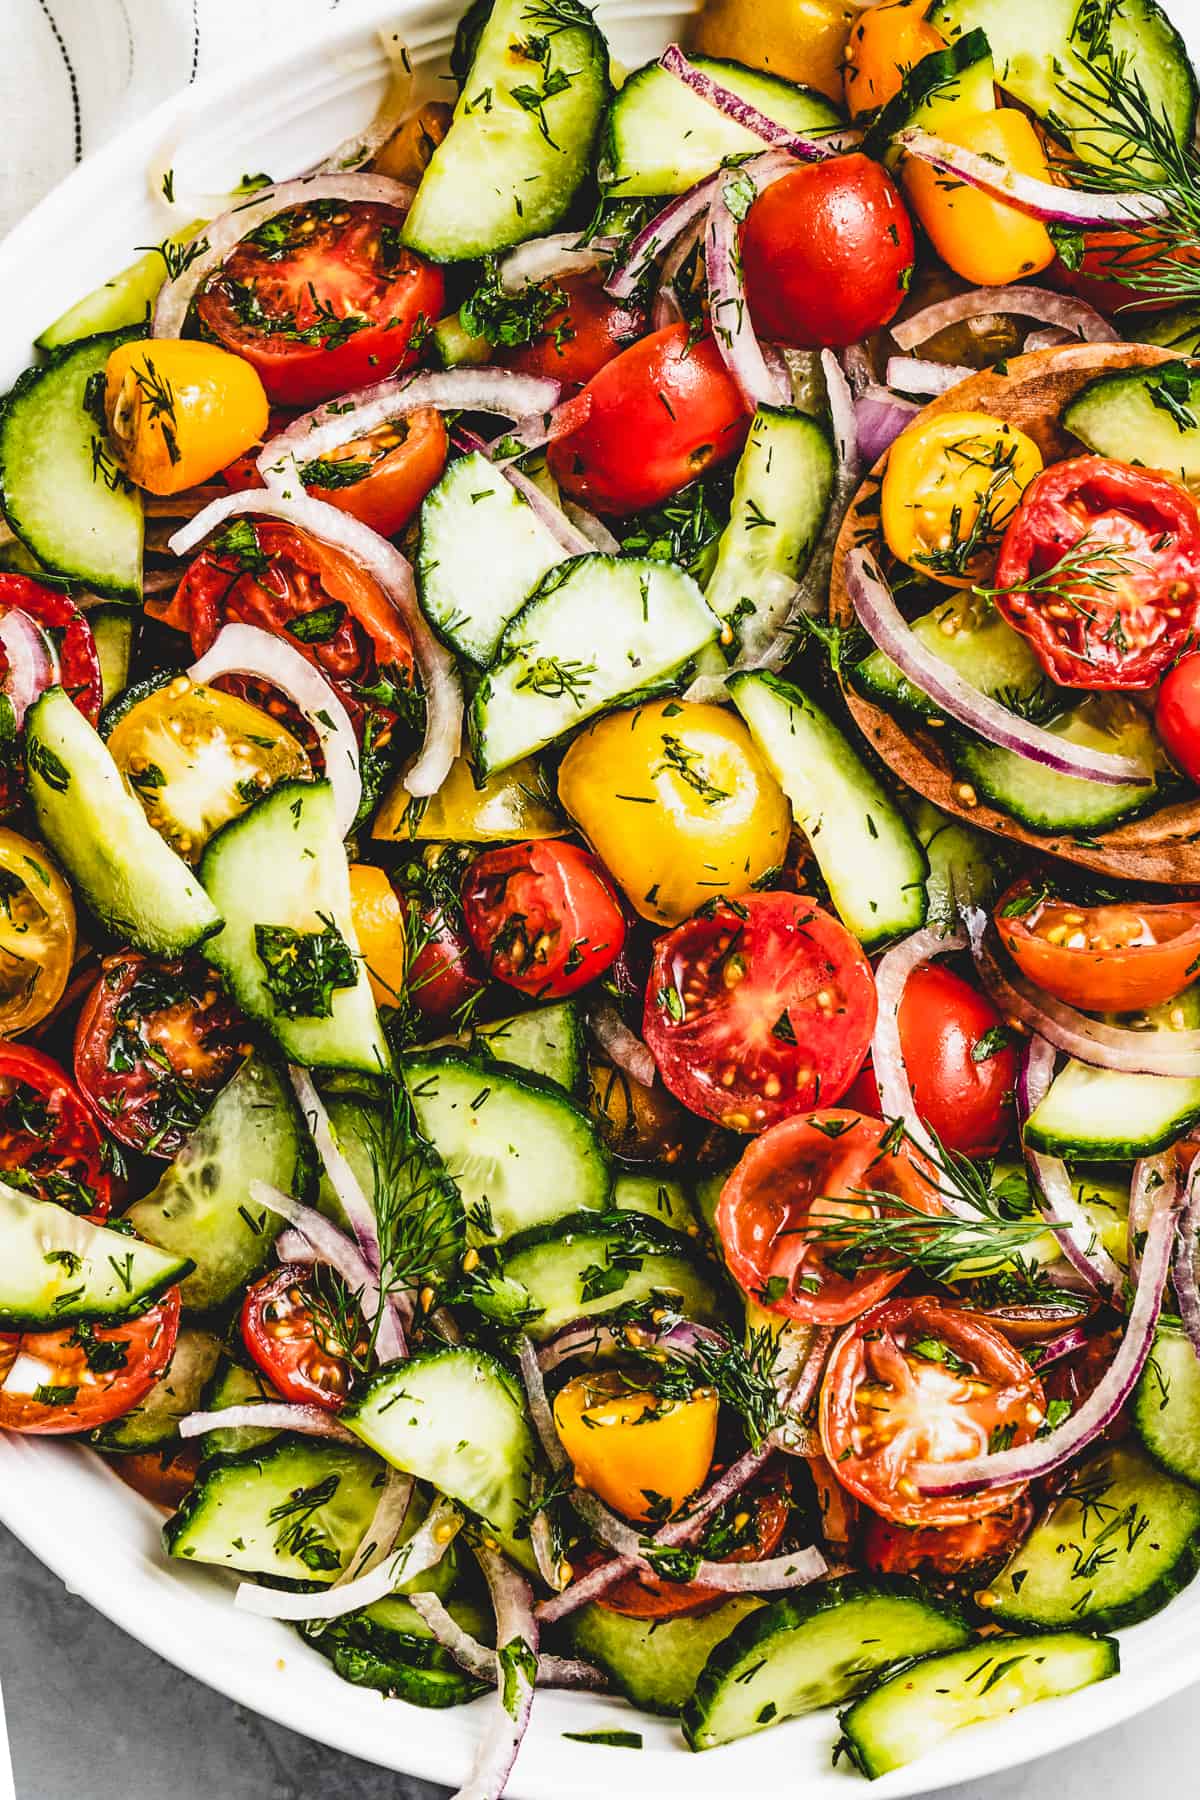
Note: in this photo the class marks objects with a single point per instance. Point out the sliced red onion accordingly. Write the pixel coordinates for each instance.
(1065, 1344)
(799, 1367)
(547, 258)
(226, 231)
(1187, 1253)
(1149, 1174)
(31, 659)
(1026, 302)
(592, 1337)
(334, 1247)
(393, 572)
(1040, 199)
(667, 308)
(593, 529)
(537, 429)
(879, 418)
(291, 1246)
(478, 1660)
(328, 427)
(658, 234)
(1074, 1230)
(380, 1540)
(891, 1075)
(916, 375)
(729, 310)
(1040, 1457)
(1052, 337)
(517, 1647)
(621, 1045)
(951, 694)
(813, 147)
(571, 539)
(545, 1552)
(539, 1405)
(353, 152)
(343, 1180)
(859, 368)
(248, 650)
(269, 1415)
(422, 1551)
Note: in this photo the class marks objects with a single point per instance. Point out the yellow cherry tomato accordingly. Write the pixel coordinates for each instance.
(952, 483)
(677, 803)
(800, 40)
(196, 758)
(179, 411)
(631, 1449)
(981, 239)
(885, 41)
(379, 927)
(511, 804)
(37, 934)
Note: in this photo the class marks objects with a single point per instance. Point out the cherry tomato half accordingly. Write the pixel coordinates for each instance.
(383, 477)
(804, 1175)
(755, 1523)
(323, 298)
(759, 1008)
(915, 1381)
(828, 253)
(544, 916)
(73, 662)
(1139, 533)
(1177, 716)
(1115, 956)
(654, 418)
(154, 1042)
(281, 1329)
(946, 1552)
(1123, 270)
(586, 332)
(49, 1145)
(442, 973)
(642, 1455)
(95, 1372)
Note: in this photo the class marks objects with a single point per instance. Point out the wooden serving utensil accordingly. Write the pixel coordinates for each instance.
(1165, 845)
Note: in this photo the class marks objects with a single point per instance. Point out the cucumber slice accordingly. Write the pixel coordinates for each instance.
(201, 1207)
(521, 139)
(657, 1194)
(1178, 328)
(597, 630)
(454, 347)
(1100, 1114)
(482, 552)
(124, 301)
(1042, 52)
(813, 1648)
(60, 489)
(872, 864)
(961, 867)
(296, 1510)
(281, 868)
(660, 137)
(1120, 1541)
(56, 1268)
(585, 1267)
(133, 881)
(979, 645)
(521, 1153)
(154, 1422)
(1146, 416)
(547, 1041)
(914, 1710)
(455, 1418)
(233, 1384)
(1166, 1404)
(945, 85)
(655, 1662)
(781, 495)
(112, 629)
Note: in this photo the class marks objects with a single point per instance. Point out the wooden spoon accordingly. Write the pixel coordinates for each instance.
(1163, 846)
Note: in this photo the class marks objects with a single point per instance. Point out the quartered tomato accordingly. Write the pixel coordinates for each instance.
(1112, 955)
(780, 1209)
(885, 41)
(543, 916)
(748, 1530)
(383, 477)
(323, 298)
(759, 1008)
(154, 1042)
(1100, 571)
(946, 1552)
(380, 925)
(654, 418)
(642, 1455)
(52, 1382)
(49, 1145)
(282, 1330)
(586, 332)
(37, 934)
(916, 1381)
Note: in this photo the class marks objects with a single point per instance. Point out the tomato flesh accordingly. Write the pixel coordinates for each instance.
(946, 1552)
(49, 1145)
(1177, 715)
(758, 1524)
(1114, 956)
(587, 331)
(383, 477)
(759, 1008)
(94, 1373)
(543, 915)
(282, 1332)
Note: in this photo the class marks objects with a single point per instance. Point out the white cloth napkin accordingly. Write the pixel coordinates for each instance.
(72, 72)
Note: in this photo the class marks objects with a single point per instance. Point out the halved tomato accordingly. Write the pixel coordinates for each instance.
(1104, 954)
(747, 1530)
(56, 1382)
(946, 1552)
(49, 1146)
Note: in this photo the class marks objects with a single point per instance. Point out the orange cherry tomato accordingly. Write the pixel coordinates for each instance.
(885, 41)
(55, 1382)
(1115, 956)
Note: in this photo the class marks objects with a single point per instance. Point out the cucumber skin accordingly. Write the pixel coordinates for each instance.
(1149, 1403)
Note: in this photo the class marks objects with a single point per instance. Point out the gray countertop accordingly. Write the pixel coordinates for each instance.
(94, 1716)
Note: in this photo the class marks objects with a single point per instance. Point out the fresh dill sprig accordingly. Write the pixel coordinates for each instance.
(1091, 567)
(741, 1376)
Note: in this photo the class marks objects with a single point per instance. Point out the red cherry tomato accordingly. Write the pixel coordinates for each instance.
(961, 1065)
(442, 973)
(383, 477)
(99, 1372)
(586, 332)
(49, 1145)
(1124, 270)
(915, 1381)
(1115, 956)
(946, 1552)
(543, 916)
(323, 298)
(154, 1042)
(1177, 716)
(767, 1510)
(827, 253)
(759, 1009)
(68, 633)
(655, 418)
(1142, 533)
(805, 1174)
(281, 1330)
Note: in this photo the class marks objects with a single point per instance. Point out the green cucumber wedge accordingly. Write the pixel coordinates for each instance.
(1146, 416)
(655, 1662)
(1166, 1404)
(57, 1268)
(154, 1421)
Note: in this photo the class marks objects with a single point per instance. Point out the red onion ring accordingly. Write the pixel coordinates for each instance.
(478, 1660)
(546, 258)
(951, 694)
(32, 663)
(891, 1075)
(229, 228)
(657, 234)
(808, 148)
(915, 375)
(1026, 302)
(1041, 1456)
(422, 1551)
(879, 418)
(516, 1625)
(667, 308)
(621, 1045)
(572, 540)
(384, 1529)
(1065, 1344)
(729, 310)
(393, 572)
(1074, 1231)
(598, 535)
(1040, 199)
(269, 1415)
(1149, 1174)
(1187, 1252)
(334, 1247)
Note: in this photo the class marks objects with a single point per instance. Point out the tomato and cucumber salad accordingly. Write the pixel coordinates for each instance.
(516, 1097)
